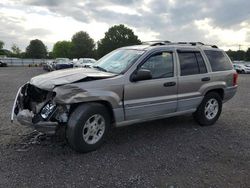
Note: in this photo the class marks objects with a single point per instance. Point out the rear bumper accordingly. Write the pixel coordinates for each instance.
(229, 93)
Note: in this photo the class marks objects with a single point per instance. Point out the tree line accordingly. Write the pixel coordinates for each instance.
(239, 55)
(82, 45)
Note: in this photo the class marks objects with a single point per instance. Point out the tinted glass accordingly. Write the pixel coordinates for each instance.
(201, 63)
(218, 61)
(188, 63)
(160, 65)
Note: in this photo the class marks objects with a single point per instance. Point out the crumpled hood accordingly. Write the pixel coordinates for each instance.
(49, 80)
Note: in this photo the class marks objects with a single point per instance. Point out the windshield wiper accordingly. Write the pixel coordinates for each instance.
(100, 68)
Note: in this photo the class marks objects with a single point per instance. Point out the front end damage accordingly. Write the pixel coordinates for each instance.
(36, 107)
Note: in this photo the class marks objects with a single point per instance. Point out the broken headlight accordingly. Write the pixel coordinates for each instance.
(48, 110)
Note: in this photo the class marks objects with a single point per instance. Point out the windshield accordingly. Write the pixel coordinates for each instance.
(84, 61)
(58, 61)
(118, 61)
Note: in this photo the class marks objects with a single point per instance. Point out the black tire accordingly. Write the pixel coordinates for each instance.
(77, 120)
(200, 115)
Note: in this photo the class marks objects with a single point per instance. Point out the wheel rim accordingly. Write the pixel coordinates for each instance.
(93, 129)
(211, 109)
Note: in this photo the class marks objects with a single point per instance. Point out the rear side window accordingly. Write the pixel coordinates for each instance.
(218, 61)
(201, 63)
(191, 63)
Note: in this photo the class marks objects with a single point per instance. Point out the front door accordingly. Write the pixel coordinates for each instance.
(154, 97)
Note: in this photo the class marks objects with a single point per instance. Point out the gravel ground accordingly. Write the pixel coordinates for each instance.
(173, 152)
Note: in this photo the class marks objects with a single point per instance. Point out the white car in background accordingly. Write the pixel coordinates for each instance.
(242, 67)
(84, 62)
(48, 66)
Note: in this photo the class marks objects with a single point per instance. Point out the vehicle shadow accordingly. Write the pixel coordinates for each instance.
(148, 133)
(156, 128)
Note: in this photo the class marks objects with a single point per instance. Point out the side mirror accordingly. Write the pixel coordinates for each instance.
(142, 74)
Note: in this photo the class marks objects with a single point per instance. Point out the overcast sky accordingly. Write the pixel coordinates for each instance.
(222, 22)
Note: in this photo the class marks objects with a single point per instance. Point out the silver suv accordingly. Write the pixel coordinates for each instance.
(129, 85)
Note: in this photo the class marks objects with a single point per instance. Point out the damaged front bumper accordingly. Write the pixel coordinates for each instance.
(40, 112)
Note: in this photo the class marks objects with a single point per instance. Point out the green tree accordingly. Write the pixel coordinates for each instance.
(1, 48)
(5, 52)
(238, 55)
(82, 45)
(16, 51)
(232, 54)
(62, 49)
(1, 45)
(248, 54)
(116, 37)
(36, 49)
(22, 55)
(51, 55)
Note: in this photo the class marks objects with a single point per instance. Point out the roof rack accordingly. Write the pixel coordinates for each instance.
(158, 43)
(196, 44)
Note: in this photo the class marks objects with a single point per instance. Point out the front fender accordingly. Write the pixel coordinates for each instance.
(70, 94)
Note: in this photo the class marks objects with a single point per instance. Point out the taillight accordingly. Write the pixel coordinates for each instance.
(235, 79)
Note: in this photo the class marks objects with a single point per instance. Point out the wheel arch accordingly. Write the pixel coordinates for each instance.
(220, 91)
(106, 104)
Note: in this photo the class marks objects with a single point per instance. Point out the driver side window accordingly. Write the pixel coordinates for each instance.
(160, 65)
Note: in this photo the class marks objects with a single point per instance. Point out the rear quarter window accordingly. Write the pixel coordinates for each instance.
(218, 60)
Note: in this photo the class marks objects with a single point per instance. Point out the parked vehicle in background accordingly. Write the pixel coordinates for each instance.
(48, 65)
(129, 85)
(243, 68)
(3, 64)
(74, 61)
(84, 62)
(62, 63)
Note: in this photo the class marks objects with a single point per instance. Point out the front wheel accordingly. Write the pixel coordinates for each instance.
(87, 127)
(209, 110)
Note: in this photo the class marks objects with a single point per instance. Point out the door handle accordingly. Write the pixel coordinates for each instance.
(169, 84)
(205, 79)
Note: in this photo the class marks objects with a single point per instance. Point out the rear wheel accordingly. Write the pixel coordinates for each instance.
(87, 127)
(209, 110)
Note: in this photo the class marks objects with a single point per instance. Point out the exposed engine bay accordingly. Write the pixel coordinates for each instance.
(46, 100)
(34, 105)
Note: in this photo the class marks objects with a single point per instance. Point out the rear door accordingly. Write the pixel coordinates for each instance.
(157, 96)
(193, 75)
(221, 67)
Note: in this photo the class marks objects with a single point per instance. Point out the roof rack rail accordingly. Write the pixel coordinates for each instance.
(191, 43)
(213, 46)
(159, 42)
(156, 42)
(198, 44)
